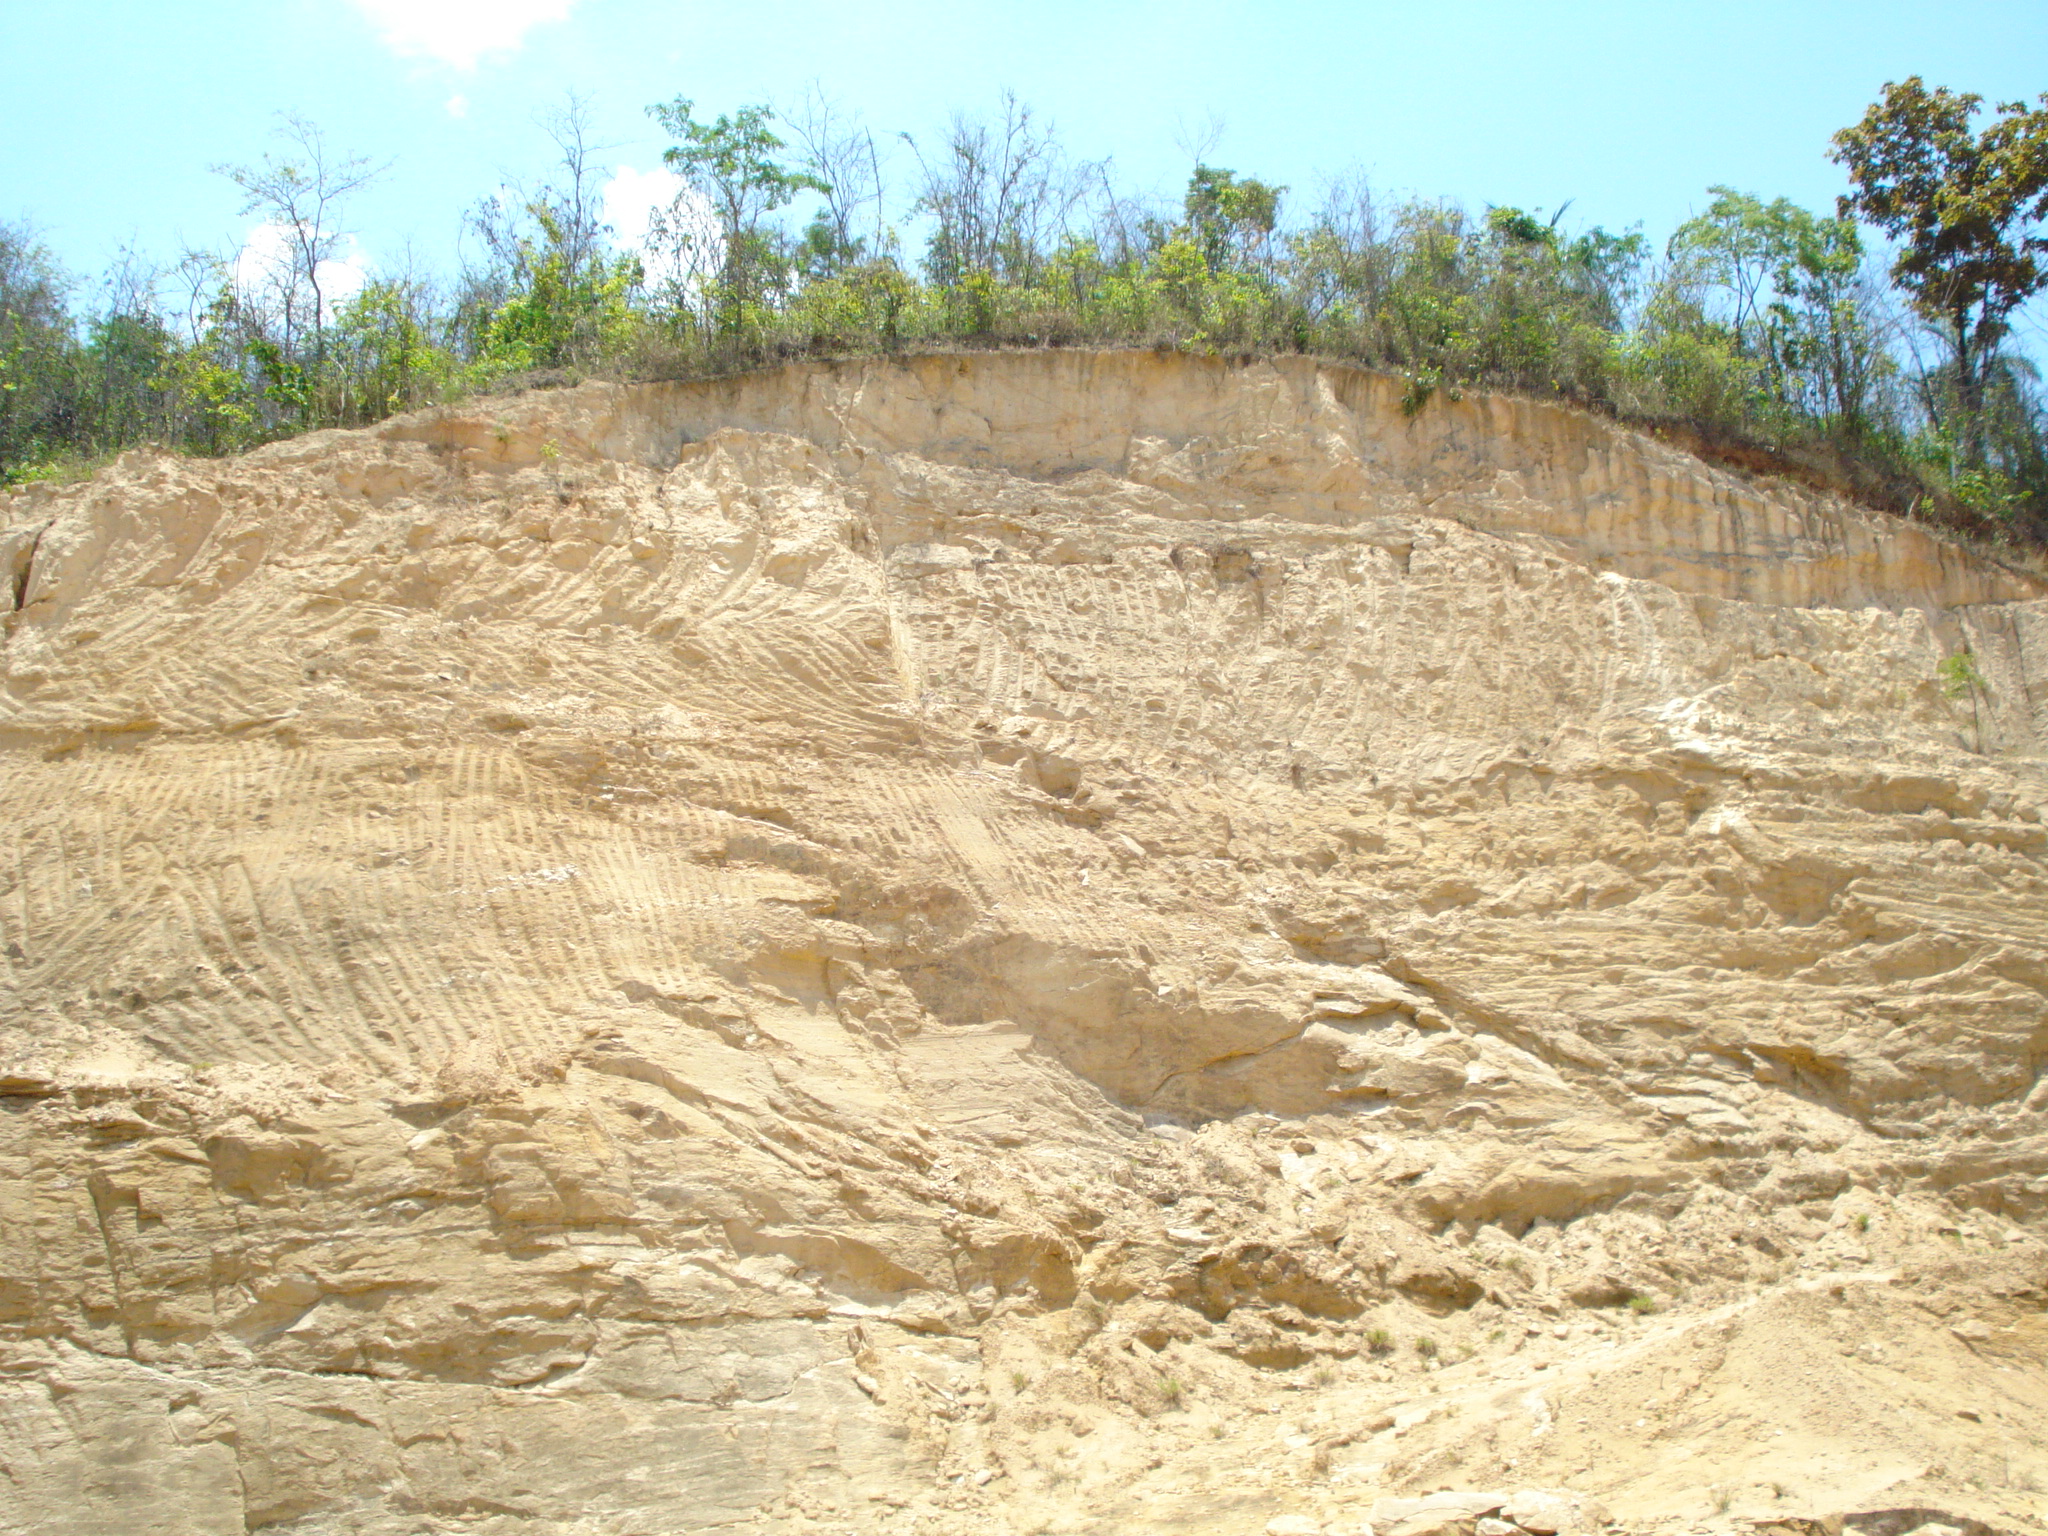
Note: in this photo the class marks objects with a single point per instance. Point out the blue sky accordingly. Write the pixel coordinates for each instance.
(116, 109)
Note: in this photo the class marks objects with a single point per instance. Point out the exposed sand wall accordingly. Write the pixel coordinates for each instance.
(955, 945)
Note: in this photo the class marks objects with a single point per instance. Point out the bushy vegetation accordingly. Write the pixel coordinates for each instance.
(1762, 330)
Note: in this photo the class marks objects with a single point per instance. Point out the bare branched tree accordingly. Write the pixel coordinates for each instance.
(1199, 140)
(1344, 258)
(131, 285)
(1123, 225)
(196, 280)
(1001, 193)
(301, 193)
(572, 200)
(552, 233)
(839, 151)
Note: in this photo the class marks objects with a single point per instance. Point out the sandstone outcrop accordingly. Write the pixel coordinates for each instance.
(1040, 942)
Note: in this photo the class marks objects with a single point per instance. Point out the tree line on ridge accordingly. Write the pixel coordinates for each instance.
(1762, 330)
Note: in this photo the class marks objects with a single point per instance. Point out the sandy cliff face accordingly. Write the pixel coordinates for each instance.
(1023, 943)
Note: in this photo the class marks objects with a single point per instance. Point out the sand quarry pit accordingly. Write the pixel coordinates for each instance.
(1028, 943)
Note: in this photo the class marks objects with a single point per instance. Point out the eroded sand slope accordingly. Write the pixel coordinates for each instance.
(1027, 943)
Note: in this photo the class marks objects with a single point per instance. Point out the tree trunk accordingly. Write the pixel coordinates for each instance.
(1969, 394)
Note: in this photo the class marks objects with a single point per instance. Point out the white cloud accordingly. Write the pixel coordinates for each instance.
(458, 105)
(264, 264)
(458, 32)
(632, 201)
(341, 281)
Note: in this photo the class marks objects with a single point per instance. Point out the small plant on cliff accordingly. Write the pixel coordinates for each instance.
(1960, 677)
(1642, 1306)
(1426, 1347)
(1379, 1341)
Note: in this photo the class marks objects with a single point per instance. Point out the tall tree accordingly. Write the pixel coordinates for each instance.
(1796, 304)
(1968, 210)
(735, 165)
(1000, 194)
(839, 155)
(301, 194)
(38, 400)
(550, 293)
(1231, 220)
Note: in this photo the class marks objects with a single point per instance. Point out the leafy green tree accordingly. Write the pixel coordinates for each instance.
(1230, 221)
(1794, 302)
(127, 355)
(560, 309)
(38, 397)
(1967, 209)
(1545, 307)
(869, 307)
(1422, 325)
(1215, 275)
(383, 354)
(734, 164)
